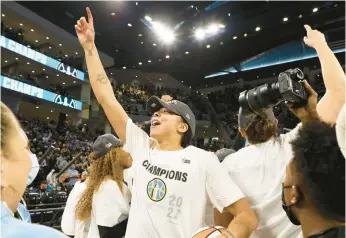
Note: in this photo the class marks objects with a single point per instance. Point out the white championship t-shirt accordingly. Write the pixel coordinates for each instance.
(259, 171)
(171, 188)
(109, 206)
(69, 224)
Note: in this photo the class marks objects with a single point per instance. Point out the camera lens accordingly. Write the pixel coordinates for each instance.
(264, 96)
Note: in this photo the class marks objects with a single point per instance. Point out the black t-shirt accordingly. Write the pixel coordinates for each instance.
(337, 232)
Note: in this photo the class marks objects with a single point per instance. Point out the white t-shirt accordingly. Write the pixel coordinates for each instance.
(109, 206)
(259, 171)
(171, 188)
(69, 224)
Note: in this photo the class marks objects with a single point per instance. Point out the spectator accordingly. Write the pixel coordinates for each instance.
(313, 193)
(15, 169)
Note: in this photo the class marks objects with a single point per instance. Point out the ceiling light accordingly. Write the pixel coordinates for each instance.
(300, 16)
(167, 56)
(221, 43)
(212, 29)
(229, 14)
(208, 46)
(111, 73)
(139, 35)
(50, 47)
(113, 13)
(124, 67)
(159, 60)
(187, 53)
(46, 77)
(5, 61)
(36, 41)
(129, 24)
(285, 19)
(47, 38)
(63, 83)
(37, 107)
(234, 38)
(140, 63)
(315, 9)
(142, 42)
(16, 58)
(66, 56)
(200, 34)
(60, 44)
(258, 28)
(149, 61)
(74, 81)
(3, 15)
(221, 26)
(32, 29)
(182, 81)
(163, 32)
(76, 53)
(43, 69)
(148, 18)
(47, 118)
(33, 71)
(51, 111)
(27, 62)
(21, 24)
(67, 115)
(160, 79)
(190, 87)
(10, 28)
(154, 44)
(136, 3)
(245, 35)
(57, 75)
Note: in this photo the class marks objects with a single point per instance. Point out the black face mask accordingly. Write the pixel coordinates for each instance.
(288, 210)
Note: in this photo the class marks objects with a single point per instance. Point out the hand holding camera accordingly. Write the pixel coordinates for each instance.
(309, 110)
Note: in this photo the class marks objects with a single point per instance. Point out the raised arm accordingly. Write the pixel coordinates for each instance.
(332, 102)
(99, 81)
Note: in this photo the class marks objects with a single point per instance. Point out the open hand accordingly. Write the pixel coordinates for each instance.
(313, 38)
(85, 31)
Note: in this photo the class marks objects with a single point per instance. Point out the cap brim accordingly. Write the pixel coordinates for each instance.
(154, 104)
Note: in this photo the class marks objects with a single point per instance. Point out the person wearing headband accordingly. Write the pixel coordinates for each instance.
(18, 169)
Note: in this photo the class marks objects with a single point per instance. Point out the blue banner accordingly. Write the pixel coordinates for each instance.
(41, 58)
(36, 92)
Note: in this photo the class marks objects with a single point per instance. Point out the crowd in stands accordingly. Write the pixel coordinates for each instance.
(18, 35)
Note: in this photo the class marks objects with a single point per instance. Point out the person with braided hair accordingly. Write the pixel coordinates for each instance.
(102, 206)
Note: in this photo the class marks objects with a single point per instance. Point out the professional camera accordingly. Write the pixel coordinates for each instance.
(289, 88)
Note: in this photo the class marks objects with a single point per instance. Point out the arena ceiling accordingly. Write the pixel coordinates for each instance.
(122, 31)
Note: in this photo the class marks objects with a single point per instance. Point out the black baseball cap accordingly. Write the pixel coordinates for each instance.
(246, 116)
(154, 104)
(105, 143)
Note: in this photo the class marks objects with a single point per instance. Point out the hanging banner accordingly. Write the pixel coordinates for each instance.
(41, 58)
(40, 93)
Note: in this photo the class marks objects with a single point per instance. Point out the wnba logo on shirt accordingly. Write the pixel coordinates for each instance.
(156, 189)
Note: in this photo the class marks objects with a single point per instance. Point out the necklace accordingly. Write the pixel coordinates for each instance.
(5, 204)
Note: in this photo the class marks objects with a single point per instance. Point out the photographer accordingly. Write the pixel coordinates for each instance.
(266, 157)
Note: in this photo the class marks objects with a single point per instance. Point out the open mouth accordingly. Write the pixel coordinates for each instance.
(155, 123)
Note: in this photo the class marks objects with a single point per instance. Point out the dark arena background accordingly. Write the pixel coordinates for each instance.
(201, 53)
